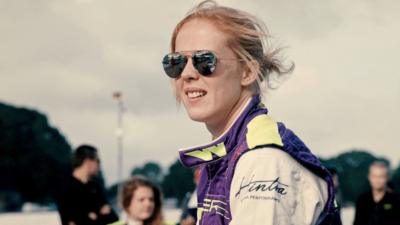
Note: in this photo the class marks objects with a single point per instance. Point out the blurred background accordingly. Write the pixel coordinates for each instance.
(89, 71)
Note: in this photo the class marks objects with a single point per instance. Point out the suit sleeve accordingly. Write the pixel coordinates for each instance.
(269, 187)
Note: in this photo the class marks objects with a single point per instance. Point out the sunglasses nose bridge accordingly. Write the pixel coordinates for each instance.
(189, 71)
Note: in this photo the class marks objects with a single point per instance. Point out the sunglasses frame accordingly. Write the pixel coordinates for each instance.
(191, 54)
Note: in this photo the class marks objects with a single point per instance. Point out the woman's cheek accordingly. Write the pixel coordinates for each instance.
(177, 88)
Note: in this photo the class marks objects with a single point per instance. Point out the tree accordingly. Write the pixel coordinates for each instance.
(151, 170)
(396, 179)
(34, 156)
(178, 182)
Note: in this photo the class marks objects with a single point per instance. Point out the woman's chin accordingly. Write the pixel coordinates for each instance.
(145, 216)
(197, 116)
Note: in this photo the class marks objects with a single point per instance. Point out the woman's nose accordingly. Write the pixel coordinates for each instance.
(189, 72)
(148, 202)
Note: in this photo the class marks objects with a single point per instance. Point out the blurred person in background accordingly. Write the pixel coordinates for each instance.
(82, 200)
(378, 206)
(141, 201)
(189, 214)
(338, 194)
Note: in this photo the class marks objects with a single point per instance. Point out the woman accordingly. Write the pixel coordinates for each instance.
(254, 171)
(141, 201)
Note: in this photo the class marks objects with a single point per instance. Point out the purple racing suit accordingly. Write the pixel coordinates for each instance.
(253, 129)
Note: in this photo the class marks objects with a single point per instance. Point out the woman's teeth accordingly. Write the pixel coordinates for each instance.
(196, 94)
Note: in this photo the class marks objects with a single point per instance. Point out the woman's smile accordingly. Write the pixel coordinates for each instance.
(193, 93)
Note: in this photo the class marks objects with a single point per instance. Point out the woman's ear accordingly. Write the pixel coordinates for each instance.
(250, 72)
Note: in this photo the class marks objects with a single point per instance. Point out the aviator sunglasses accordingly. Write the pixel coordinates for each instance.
(204, 61)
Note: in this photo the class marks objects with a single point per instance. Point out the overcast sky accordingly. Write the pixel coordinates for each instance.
(66, 57)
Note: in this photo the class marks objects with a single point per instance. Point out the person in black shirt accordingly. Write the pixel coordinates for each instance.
(379, 206)
(82, 200)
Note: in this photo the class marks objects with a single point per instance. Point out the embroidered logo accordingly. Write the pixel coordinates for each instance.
(207, 154)
(255, 189)
(213, 206)
(387, 206)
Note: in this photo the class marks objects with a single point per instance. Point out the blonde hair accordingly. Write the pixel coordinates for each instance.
(247, 37)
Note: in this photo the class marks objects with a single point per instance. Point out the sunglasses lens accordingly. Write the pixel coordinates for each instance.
(205, 62)
(174, 64)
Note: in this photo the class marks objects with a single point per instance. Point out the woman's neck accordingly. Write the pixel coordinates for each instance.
(219, 128)
(132, 221)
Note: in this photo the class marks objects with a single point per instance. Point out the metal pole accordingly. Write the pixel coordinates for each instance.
(120, 134)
